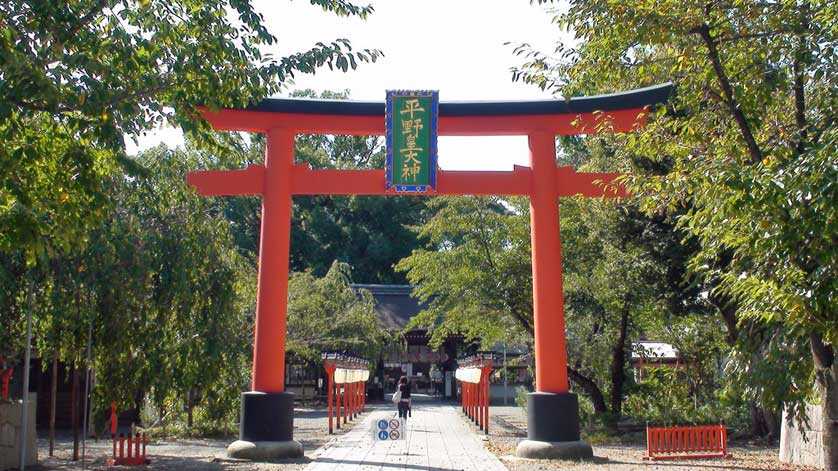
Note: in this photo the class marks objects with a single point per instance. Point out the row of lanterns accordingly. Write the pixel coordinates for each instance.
(348, 368)
(471, 367)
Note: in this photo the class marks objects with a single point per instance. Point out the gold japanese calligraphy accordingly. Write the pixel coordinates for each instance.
(411, 166)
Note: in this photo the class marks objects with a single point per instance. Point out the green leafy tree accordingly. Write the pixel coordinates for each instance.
(327, 314)
(76, 77)
(751, 143)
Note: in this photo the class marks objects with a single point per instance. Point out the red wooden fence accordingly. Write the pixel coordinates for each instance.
(135, 447)
(702, 441)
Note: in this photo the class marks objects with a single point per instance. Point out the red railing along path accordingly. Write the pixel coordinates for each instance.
(473, 374)
(686, 442)
(346, 378)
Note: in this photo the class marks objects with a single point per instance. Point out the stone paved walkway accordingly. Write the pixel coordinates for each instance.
(439, 438)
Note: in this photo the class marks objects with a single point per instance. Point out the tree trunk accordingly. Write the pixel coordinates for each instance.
(772, 422)
(826, 378)
(758, 426)
(52, 401)
(590, 388)
(189, 409)
(74, 413)
(618, 362)
(161, 411)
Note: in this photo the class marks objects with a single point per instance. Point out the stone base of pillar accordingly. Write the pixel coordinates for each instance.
(553, 428)
(267, 428)
(578, 450)
(264, 451)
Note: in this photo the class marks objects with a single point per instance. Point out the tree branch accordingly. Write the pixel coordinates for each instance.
(84, 20)
(590, 388)
(729, 99)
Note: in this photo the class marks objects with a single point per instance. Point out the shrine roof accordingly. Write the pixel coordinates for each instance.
(393, 303)
(631, 99)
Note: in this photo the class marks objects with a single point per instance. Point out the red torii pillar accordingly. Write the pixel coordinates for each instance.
(267, 410)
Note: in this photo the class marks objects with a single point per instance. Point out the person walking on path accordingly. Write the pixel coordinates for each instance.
(404, 402)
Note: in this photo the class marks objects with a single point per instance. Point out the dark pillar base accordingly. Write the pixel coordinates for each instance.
(553, 428)
(267, 427)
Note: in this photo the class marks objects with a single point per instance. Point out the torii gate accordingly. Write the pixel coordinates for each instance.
(553, 420)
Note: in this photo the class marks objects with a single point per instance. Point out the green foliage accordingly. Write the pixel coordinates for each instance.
(327, 314)
(664, 398)
(172, 294)
(161, 282)
(742, 159)
(749, 138)
(475, 272)
(78, 76)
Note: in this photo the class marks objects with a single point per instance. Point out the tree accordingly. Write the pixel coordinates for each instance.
(76, 77)
(750, 135)
(326, 314)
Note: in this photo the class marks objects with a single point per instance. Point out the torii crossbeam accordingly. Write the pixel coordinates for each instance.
(553, 423)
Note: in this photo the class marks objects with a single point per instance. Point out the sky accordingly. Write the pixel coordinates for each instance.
(454, 46)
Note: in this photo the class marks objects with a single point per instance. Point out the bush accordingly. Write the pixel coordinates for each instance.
(664, 397)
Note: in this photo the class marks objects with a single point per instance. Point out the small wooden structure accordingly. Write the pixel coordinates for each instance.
(686, 442)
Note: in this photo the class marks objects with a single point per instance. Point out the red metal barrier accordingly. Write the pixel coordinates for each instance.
(686, 442)
(136, 455)
(136, 451)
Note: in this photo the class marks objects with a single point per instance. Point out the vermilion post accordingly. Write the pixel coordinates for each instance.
(330, 379)
(355, 402)
(274, 246)
(467, 387)
(337, 399)
(475, 409)
(487, 370)
(345, 399)
(548, 308)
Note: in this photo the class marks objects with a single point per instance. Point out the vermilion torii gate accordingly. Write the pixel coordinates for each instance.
(267, 411)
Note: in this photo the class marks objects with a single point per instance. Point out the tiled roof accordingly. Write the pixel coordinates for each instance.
(393, 304)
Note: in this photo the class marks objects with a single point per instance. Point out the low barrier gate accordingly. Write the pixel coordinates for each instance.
(686, 442)
(127, 451)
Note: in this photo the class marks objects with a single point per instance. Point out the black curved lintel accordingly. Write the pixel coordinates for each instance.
(633, 99)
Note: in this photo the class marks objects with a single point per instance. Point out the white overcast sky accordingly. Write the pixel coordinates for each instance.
(454, 46)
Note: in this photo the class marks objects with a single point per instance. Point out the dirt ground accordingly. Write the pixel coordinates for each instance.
(310, 428)
(508, 427)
